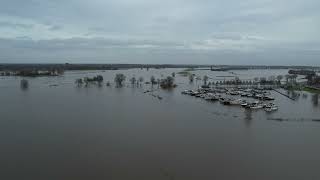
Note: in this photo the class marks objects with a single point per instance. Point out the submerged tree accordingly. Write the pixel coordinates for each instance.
(133, 80)
(263, 80)
(158, 82)
(98, 78)
(198, 78)
(205, 79)
(119, 79)
(291, 79)
(191, 78)
(294, 78)
(310, 78)
(24, 84)
(288, 77)
(79, 82)
(86, 81)
(153, 80)
(279, 78)
(237, 80)
(141, 79)
(167, 83)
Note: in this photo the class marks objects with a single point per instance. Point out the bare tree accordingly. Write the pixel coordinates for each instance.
(119, 79)
(263, 80)
(141, 79)
(237, 80)
(294, 78)
(133, 80)
(79, 82)
(288, 77)
(279, 78)
(272, 79)
(153, 80)
(191, 78)
(198, 78)
(205, 79)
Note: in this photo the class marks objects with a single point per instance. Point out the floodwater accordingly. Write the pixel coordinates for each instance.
(56, 130)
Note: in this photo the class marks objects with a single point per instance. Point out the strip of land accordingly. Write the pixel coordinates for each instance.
(67, 66)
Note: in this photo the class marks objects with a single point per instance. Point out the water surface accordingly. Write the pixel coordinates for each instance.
(66, 132)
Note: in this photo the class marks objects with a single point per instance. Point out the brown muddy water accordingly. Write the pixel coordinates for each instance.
(63, 132)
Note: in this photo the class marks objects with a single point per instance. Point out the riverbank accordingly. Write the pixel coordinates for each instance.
(70, 66)
(311, 89)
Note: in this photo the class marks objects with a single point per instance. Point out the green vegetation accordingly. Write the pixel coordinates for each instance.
(186, 72)
(311, 90)
(167, 83)
(98, 78)
(119, 79)
(87, 80)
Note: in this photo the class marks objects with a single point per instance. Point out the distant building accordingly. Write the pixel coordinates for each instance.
(302, 72)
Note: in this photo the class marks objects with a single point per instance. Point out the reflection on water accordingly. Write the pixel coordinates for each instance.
(248, 117)
(100, 132)
(293, 94)
(315, 99)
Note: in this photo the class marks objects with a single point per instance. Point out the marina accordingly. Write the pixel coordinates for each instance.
(246, 98)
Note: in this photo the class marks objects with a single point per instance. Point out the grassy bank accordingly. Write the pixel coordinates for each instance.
(311, 90)
(186, 72)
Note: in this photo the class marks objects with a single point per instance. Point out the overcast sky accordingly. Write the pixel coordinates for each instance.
(276, 32)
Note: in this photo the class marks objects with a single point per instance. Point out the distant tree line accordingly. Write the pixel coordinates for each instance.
(120, 80)
(98, 79)
(34, 72)
(272, 80)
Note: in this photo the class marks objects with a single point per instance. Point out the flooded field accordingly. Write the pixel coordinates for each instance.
(56, 130)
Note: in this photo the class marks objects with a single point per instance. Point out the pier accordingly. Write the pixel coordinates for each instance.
(284, 94)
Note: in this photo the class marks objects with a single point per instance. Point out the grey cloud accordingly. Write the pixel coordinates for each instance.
(97, 29)
(100, 50)
(55, 27)
(128, 28)
(86, 43)
(16, 25)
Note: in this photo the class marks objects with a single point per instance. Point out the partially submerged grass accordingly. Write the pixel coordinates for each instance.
(311, 90)
(186, 72)
(301, 88)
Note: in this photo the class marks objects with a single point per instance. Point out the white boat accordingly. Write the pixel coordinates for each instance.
(256, 107)
(270, 108)
(274, 108)
(236, 102)
(186, 92)
(244, 104)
